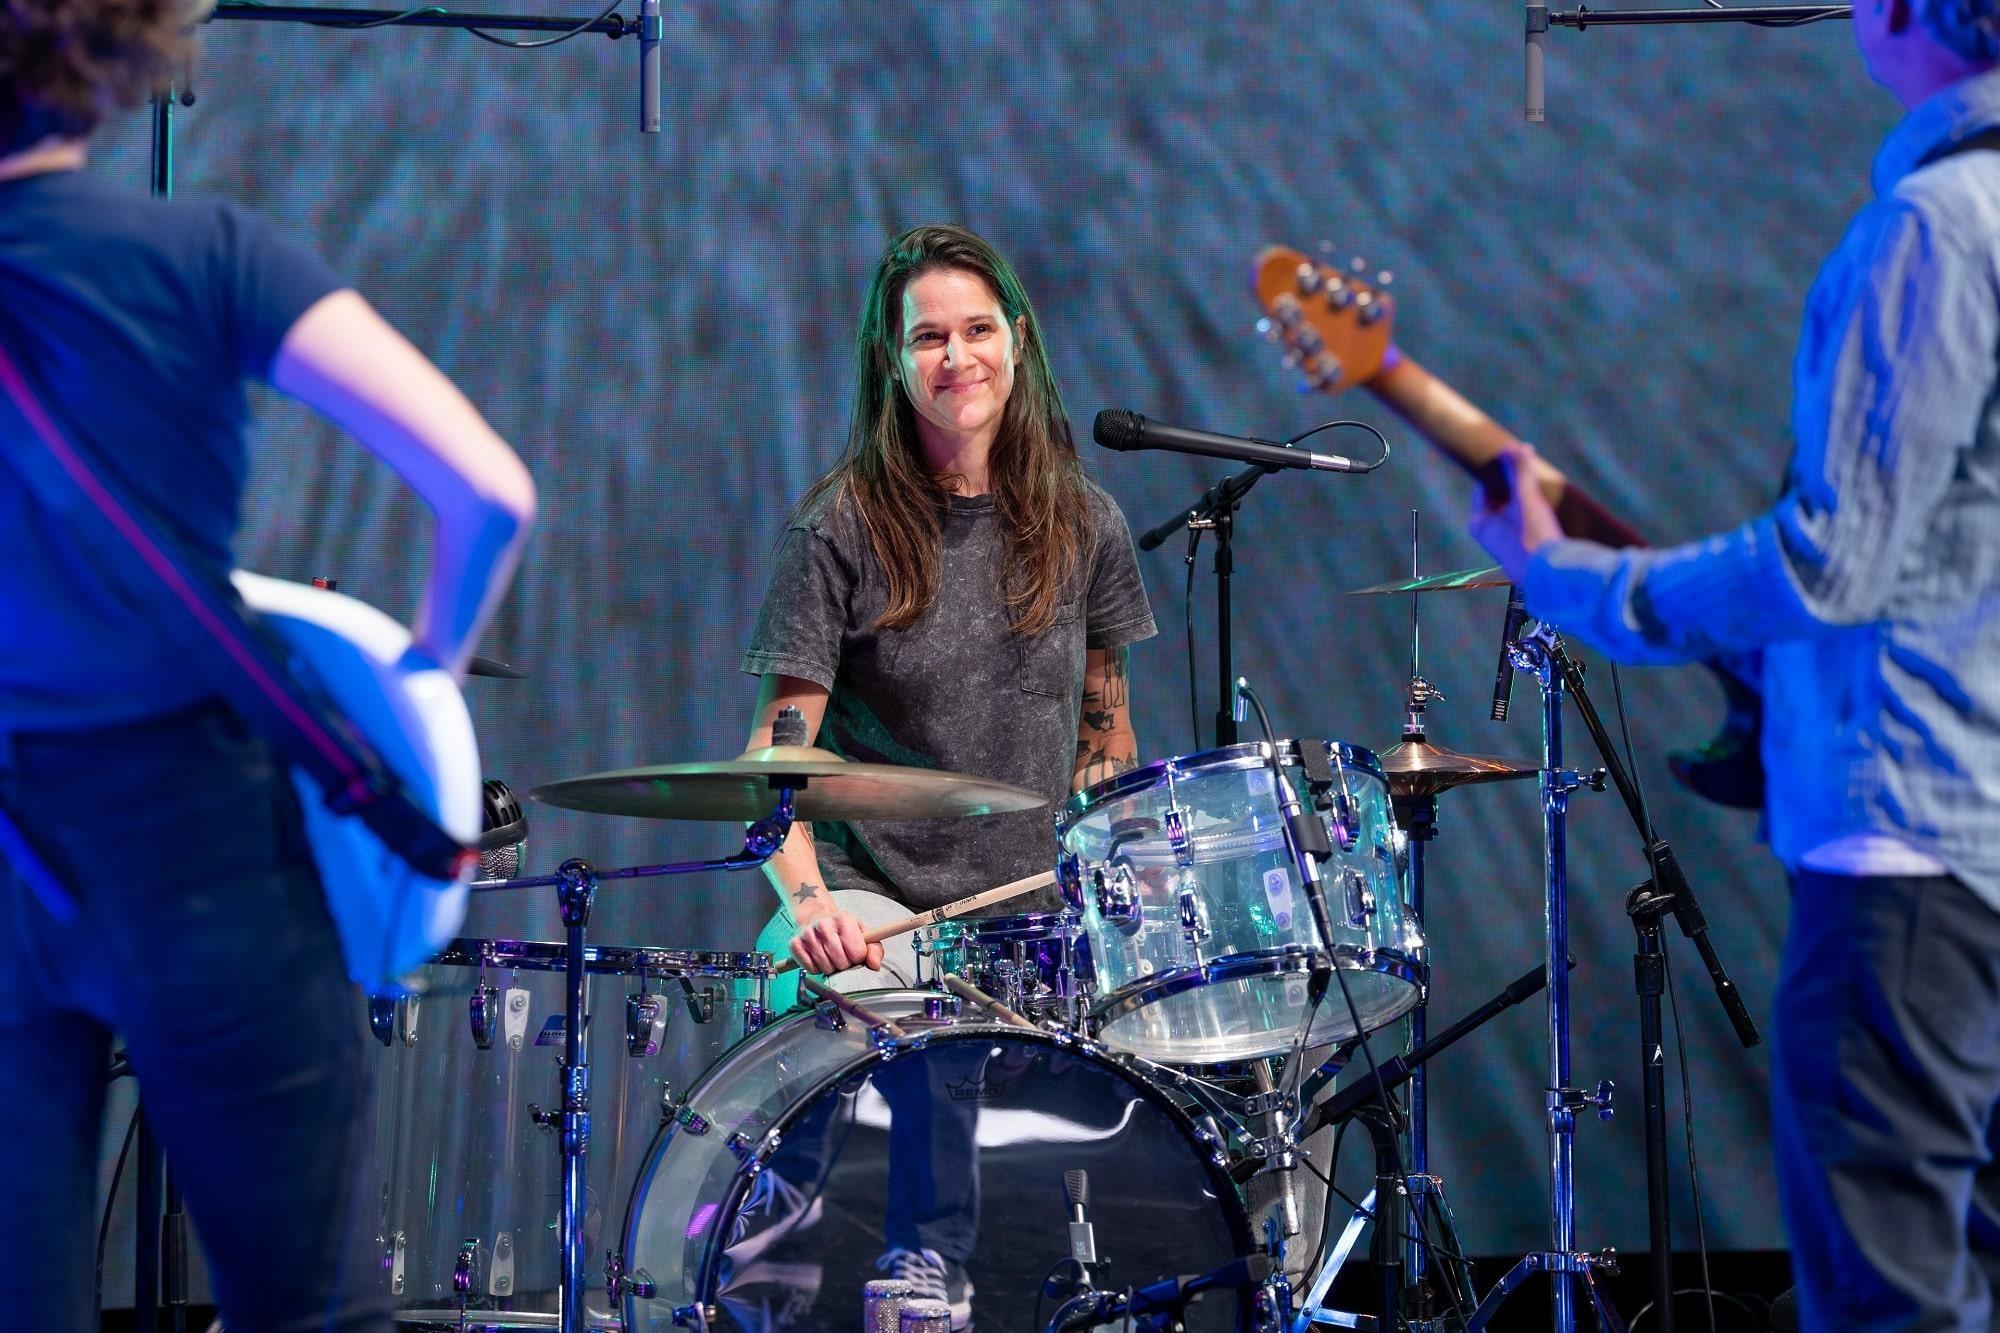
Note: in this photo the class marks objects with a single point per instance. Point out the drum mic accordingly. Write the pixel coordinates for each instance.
(1503, 675)
(1082, 1240)
(505, 831)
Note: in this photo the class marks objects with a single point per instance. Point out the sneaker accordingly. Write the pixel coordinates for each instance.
(775, 1209)
(934, 1278)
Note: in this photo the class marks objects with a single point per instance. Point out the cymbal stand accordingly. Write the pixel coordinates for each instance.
(575, 883)
(1539, 652)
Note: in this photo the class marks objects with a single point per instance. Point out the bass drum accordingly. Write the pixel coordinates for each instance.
(810, 1151)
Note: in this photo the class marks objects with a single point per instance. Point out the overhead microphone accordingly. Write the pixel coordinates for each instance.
(652, 28)
(1118, 429)
(1537, 53)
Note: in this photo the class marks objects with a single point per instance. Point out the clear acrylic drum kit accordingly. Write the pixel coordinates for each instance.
(1114, 1098)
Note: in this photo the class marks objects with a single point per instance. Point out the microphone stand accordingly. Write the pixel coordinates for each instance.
(1216, 512)
(1667, 892)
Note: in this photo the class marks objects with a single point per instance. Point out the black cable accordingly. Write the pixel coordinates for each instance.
(1757, 1317)
(110, 1197)
(1351, 425)
(577, 31)
(1667, 965)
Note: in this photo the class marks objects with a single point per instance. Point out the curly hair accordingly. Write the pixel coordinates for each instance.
(66, 64)
(1969, 27)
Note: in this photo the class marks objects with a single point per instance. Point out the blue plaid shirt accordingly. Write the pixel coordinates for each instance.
(1873, 586)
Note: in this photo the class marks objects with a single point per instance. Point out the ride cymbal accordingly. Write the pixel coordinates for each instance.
(827, 788)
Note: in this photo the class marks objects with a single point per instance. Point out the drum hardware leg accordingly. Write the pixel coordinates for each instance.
(1417, 815)
(574, 893)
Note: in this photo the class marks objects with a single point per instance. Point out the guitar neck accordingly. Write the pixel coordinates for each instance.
(1474, 441)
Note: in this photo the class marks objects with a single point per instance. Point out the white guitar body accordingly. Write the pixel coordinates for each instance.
(899, 955)
(391, 919)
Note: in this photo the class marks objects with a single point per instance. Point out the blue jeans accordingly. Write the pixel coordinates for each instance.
(1885, 1075)
(201, 939)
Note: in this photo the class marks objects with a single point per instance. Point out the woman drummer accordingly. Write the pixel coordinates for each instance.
(956, 595)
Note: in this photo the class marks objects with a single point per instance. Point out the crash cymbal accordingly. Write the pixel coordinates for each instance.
(1418, 768)
(493, 667)
(1457, 580)
(828, 787)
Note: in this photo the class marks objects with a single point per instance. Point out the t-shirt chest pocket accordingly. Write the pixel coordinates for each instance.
(1052, 661)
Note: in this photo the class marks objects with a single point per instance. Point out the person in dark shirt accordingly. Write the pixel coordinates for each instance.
(199, 935)
(957, 595)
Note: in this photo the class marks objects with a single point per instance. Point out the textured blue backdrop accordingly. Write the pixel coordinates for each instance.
(661, 325)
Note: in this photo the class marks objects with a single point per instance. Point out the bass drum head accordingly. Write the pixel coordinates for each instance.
(960, 1144)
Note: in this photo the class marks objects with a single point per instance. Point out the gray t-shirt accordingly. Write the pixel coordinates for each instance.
(958, 690)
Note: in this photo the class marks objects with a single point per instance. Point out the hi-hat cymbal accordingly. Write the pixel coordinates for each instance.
(1456, 580)
(1418, 768)
(827, 786)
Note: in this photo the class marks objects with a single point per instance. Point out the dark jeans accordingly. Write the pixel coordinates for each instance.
(202, 940)
(1885, 1074)
(933, 1168)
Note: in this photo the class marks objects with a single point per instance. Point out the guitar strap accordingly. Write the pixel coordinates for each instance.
(204, 618)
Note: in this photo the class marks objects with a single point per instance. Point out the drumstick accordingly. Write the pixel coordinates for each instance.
(985, 898)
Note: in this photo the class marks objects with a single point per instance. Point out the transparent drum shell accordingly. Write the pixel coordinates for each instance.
(1200, 933)
(462, 1179)
(1036, 963)
(1160, 1200)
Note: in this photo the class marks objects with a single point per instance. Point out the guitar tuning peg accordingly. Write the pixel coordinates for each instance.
(1290, 361)
(1309, 279)
(1384, 278)
(1267, 330)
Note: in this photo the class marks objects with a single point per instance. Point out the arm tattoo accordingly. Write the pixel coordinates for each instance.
(1101, 703)
(806, 891)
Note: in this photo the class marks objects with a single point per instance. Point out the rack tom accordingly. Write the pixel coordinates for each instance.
(1200, 933)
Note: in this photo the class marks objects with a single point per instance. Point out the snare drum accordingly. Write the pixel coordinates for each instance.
(1200, 933)
(467, 1183)
(1037, 963)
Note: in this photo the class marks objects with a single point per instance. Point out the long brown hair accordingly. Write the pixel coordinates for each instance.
(1034, 473)
(65, 63)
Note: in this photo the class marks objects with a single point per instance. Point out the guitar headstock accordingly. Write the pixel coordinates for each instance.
(1333, 323)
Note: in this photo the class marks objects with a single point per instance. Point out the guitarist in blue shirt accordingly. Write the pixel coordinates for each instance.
(1873, 587)
(198, 931)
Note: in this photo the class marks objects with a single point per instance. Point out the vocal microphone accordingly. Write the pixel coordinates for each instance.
(1115, 428)
(1537, 52)
(1503, 676)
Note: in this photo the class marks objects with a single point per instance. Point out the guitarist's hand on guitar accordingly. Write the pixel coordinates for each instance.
(831, 942)
(1523, 522)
